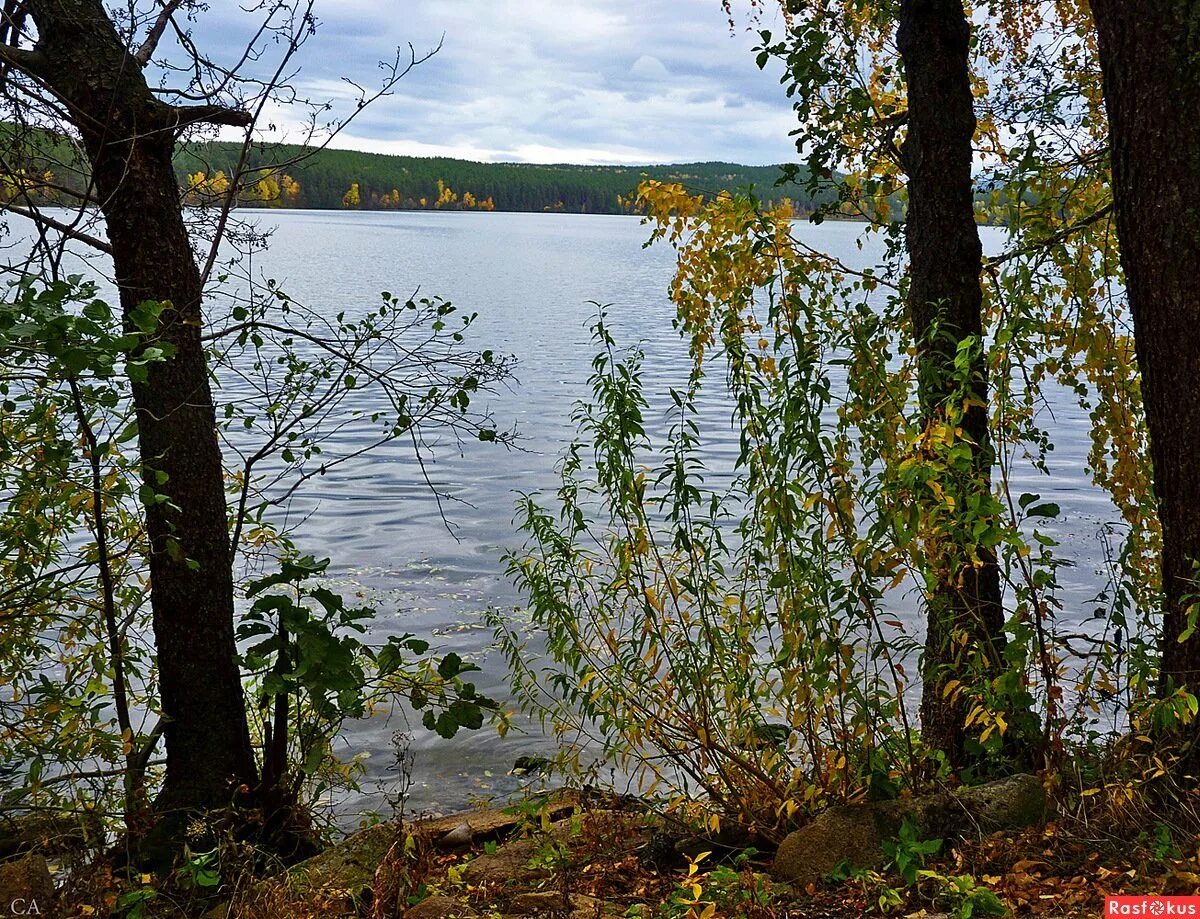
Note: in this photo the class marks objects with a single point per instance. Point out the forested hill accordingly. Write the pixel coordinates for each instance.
(351, 179)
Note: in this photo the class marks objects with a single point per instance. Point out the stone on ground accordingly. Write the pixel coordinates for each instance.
(855, 833)
(345, 871)
(508, 864)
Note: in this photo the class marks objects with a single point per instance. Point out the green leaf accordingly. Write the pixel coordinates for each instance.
(446, 725)
(1044, 510)
(450, 666)
(128, 433)
(467, 714)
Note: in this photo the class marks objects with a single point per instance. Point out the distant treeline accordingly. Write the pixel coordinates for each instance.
(350, 179)
(42, 168)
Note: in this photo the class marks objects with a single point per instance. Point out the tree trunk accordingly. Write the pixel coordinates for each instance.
(1150, 58)
(129, 137)
(945, 302)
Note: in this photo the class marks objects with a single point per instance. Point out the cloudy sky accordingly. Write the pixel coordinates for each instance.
(582, 81)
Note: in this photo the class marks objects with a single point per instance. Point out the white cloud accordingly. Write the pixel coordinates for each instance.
(650, 67)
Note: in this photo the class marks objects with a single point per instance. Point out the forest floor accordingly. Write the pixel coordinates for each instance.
(607, 859)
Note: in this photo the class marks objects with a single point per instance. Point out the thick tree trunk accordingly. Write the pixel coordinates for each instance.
(945, 307)
(129, 137)
(1150, 58)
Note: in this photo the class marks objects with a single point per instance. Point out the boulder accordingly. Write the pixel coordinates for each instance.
(26, 887)
(458, 838)
(516, 861)
(348, 867)
(855, 833)
(531, 763)
(1008, 804)
(458, 830)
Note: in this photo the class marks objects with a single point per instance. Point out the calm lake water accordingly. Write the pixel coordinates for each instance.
(532, 279)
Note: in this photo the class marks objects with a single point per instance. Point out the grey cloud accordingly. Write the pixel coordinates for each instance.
(549, 80)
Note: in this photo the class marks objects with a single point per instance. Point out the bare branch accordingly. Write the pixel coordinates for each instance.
(187, 115)
(65, 228)
(22, 59)
(395, 71)
(142, 55)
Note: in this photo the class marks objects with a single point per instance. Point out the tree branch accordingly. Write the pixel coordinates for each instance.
(142, 55)
(22, 59)
(1053, 239)
(186, 115)
(65, 228)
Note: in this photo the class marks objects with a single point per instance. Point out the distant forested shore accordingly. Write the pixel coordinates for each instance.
(328, 179)
(292, 176)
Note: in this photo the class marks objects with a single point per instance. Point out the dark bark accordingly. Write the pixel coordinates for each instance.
(129, 137)
(945, 303)
(1150, 58)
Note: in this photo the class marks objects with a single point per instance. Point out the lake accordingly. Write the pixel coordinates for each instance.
(533, 280)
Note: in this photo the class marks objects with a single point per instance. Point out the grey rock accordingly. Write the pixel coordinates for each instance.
(531, 763)
(771, 734)
(457, 838)
(343, 873)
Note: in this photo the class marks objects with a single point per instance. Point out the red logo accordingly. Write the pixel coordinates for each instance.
(1151, 907)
